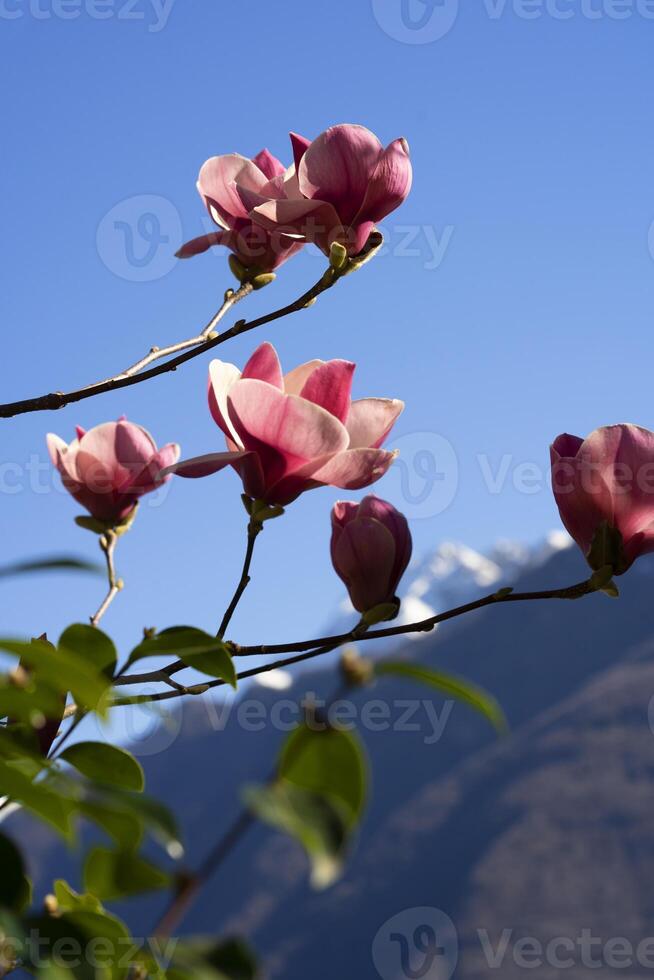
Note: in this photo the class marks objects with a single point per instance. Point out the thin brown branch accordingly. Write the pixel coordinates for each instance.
(108, 545)
(316, 646)
(254, 529)
(58, 399)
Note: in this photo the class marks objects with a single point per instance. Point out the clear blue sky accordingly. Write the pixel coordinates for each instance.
(533, 149)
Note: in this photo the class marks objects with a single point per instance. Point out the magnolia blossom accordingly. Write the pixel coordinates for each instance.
(108, 468)
(223, 182)
(344, 183)
(370, 548)
(607, 481)
(289, 433)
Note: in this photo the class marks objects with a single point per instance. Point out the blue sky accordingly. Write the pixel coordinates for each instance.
(515, 298)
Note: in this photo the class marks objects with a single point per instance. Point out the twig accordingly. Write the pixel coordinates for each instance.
(108, 545)
(58, 399)
(424, 626)
(254, 529)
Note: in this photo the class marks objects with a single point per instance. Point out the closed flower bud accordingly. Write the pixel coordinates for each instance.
(370, 549)
(604, 489)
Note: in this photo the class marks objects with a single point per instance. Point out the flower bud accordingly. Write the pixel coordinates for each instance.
(370, 549)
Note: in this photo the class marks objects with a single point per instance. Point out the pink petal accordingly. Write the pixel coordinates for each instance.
(373, 507)
(151, 475)
(330, 386)
(624, 456)
(390, 183)
(217, 185)
(295, 380)
(343, 512)
(338, 167)
(300, 145)
(581, 496)
(264, 366)
(316, 221)
(269, 165)
(56, 448)
(354, 469)
(222, 376)
(200, 466)
(199, 245)
(284, 430)
(371, 419)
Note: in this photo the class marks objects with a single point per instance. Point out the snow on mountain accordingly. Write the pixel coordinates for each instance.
(455, 574)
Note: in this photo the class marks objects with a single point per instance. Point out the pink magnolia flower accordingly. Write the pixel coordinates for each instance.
(108, 468)
(223, 182)
(607, 480)
(289, 433)
(345, 183)
(370, 548)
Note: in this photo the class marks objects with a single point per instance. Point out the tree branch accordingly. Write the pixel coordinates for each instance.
(199, 344)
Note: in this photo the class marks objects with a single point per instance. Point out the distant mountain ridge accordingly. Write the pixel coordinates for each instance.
(538, 836)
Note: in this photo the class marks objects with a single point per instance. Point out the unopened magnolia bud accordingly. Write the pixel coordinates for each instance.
(238, 270)
(357, 670)
(337, 256)
(264, 279)
(381, 613)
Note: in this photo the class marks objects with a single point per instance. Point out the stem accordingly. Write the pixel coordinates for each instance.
(329, 642)
(108, 546)
(425, 625)
(254, 529)
(199, 344)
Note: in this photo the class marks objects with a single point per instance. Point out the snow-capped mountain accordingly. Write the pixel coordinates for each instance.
(455, 574)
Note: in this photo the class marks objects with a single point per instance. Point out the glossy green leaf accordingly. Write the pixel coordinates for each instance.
(330, 762)
(92, 645)
(105, 764)
(454, 687)
(14, 885)
(319, 823)
(110, 875)
(50, 806)
(62, 670)
(194, 647)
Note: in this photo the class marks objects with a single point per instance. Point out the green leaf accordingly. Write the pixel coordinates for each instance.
(106, 764)
(152, 814)
(193, 647)
(110, 875)
(62, 940)
(318, 823)
(125, 828)
(15, 887)
(455, 687)
(68, 900)
(205, 959)
(12, 937)
(38, 798)
(56, 563)
(62, 670)
(329, 762)
(31, 704)
(90, 643)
